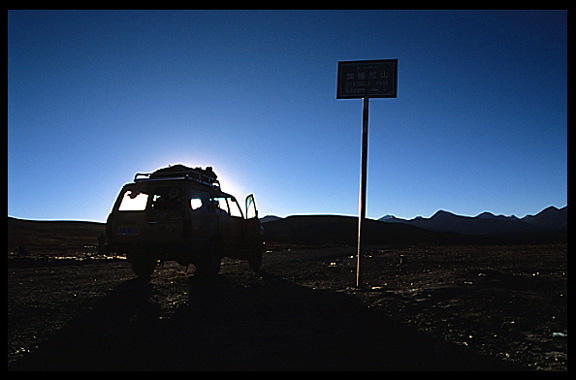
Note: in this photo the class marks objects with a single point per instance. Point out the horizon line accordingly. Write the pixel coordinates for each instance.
(319, 214)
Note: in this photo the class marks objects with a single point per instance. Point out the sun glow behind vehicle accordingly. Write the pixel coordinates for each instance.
(218, 160)
(229, 183)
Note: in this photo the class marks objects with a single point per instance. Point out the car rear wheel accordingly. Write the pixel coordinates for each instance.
(209, 264)
(255, 259)
(143, 268)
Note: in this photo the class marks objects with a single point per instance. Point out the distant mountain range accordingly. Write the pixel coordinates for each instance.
(548, 226)
(269, 218)
(549, 219)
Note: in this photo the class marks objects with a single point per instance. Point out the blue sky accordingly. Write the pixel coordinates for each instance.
(480, 121)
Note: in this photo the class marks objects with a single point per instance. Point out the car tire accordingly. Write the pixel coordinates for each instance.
(209, 264)
(143, 268)
(255, 259)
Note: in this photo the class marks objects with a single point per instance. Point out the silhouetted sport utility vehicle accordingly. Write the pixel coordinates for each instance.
(180, 214)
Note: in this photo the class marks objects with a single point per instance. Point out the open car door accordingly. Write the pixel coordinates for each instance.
(251, 211)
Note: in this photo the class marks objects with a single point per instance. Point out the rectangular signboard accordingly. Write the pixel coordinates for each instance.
(372, 79)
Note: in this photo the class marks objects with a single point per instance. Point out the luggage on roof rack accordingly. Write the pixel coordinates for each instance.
(180, 172)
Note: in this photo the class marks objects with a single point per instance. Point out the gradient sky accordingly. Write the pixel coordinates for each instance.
(480, 121)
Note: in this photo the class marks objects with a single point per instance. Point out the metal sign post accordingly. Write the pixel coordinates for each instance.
(362, 201)
(365, 79)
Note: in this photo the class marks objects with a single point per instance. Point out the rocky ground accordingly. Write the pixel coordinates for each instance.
(422, 308)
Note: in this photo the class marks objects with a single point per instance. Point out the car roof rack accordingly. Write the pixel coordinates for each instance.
(205, 177)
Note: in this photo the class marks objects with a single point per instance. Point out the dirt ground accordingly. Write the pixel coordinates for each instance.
(422, 308)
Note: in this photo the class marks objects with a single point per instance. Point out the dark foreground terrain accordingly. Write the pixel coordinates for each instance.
(423, 308)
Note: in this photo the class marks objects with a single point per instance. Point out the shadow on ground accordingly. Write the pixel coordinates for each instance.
(270, 324)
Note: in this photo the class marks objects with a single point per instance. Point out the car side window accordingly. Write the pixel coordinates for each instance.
(219, 204)
(133, 201)
(234, 208)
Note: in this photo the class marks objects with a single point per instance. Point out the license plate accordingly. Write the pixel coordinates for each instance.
(128, 231)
